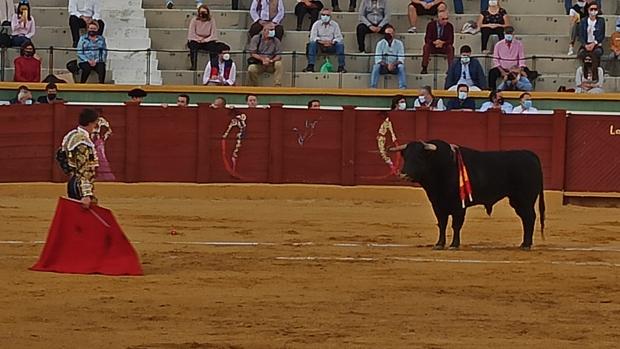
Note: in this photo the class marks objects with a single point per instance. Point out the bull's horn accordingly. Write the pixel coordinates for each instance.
(429, 146)
(398, 148)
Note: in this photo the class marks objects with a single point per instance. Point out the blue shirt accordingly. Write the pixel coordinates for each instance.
(506, 107)
(89, 50)
(390, 53)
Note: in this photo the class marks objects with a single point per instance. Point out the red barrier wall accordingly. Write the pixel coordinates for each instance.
(154, 144)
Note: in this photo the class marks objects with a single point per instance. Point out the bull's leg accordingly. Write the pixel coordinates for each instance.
(457, 223)
(528, 218)
(442, 223)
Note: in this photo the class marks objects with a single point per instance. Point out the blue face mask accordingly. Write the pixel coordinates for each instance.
(527, 104)
(272, 33)
(508, 37)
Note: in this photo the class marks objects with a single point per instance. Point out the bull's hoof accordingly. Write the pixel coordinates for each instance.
(454, 247)
(525, 247)
(438, 247)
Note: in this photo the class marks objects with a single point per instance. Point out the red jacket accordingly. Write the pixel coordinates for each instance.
(431, 33)
(27, 69)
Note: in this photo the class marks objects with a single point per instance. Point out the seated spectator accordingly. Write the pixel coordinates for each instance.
(423, 8)
(251, 100)
(493, 20)
(82, 14)
(219, 103)
(92, 53)
(426, 100)
(592, 32)
(170, 4)
(314, 104)
(439, 39)
(496, 102)
(613, 65)
(22, 96)
(226, 69)
(265, 49)
(265, 12)
(183, 100)
(525, 106)
(389, 59)
(398, 103)
(468, 71)
(27, 65)
(7, 10)
(462, 101)
(307, 7)
(325, 36)
(506, 54)
(137, 95)
(374, 17)
(51, 95)
(577, 13)
(22, 25)
(515, 80)
(202, 35)
(589, 77)
(352, 5)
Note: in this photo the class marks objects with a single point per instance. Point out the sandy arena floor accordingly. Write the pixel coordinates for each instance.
(333, 268)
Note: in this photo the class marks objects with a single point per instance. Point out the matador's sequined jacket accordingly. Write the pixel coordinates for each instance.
(82, 158)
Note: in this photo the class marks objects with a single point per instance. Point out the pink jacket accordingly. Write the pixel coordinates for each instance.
(202, 31)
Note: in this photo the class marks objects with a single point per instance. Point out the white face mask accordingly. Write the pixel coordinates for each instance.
(581, 3)
(465, 59)
(402, 106)
(28, 101)
(462, 95)
(492, 3)
(593, 13)
(422, 99)
(325, 18)
(226, 56)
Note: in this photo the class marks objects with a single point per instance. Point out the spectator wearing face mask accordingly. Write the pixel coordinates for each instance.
(82, 14)
(576, 13)
(389, 59)
(27, 65)
(496, 102)
(51, 95)
(267, 12)
(525, 105)
(325, 36)
(426, 100)
(226, 69)
(492, 20)
(614, 45)
(25, 97)
(506, 54)
(92, 53)
(307, 7)
(202, 35)
(438, 39)
(22, 91)
(462, 101)
(266, 56)
(592, 32)
(398, 103)
(374, 16)
(22, 25)
(467, 70)
(515, 80)
(589, 77)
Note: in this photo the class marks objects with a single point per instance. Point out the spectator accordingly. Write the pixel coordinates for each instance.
(398, 103)
(467, 70)
(507, 53)
(251, 100)
(439, 39)
(82, 14)
(515, 80)
(327, 37)
(352, 5)
(493, 20)
(92, 53)
(426, 100)
(592, 32)
(389, 59)
(423, 8)
(226, 69)
(577, 13)
(614, 56)
(314, 104)
(7, 10)
(374, 17)
(525, 106)
(22, 25)
(137, 95)
(266, 51)
(22, 96)
(27, 65)
(496, 102)
(267, 12)
(462, 102)
(219, 103)
(170, 4)
(589, 77)
(51, 95)
(202, 35)
(307, 7)
(183, 100)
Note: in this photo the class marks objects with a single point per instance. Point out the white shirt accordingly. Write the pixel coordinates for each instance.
(264, 13)
(591, 25)
(330, 31)
(87, 8)
(519, 110)
(206, 77)
(465, 77)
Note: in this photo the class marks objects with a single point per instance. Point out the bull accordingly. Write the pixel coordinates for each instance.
(493, 175)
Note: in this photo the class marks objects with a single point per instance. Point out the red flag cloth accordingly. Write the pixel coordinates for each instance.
(89, 241)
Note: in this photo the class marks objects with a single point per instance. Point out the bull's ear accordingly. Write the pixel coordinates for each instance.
(429, 146)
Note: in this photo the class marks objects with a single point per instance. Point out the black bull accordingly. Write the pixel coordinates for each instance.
(494, 175)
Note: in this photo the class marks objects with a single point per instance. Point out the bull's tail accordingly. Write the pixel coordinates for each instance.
(541, 210)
